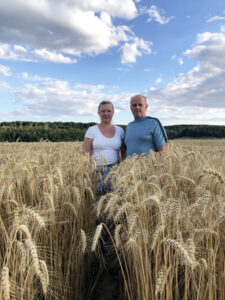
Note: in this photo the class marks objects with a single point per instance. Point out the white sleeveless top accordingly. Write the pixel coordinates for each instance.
(105, 150)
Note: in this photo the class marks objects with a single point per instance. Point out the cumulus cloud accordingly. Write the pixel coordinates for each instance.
(14, 52)
(29, 77)
(133, 49)
(53, 56)
(56, 32)
(203, 86)
(49, 98)
(156, 15)
(5, 71)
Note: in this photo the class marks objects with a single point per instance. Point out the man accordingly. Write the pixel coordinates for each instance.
(144, 133)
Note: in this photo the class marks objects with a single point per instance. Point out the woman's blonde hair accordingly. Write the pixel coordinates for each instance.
(103, 103)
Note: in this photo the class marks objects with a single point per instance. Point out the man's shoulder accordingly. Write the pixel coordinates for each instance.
(159, 126)
(152, 119)
(130, 123)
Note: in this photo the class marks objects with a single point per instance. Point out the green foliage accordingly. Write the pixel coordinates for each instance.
(195, 131)
(27, 131)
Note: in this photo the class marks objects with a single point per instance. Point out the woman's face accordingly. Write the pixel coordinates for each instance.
(106, 113)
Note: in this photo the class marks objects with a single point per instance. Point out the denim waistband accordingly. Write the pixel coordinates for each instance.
(109, 166)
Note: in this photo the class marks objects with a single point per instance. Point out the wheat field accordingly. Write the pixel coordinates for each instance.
(161, 229)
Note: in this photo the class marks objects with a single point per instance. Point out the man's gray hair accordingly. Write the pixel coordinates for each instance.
(105, 102)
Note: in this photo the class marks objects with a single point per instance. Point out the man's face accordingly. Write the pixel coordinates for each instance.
(138, 107)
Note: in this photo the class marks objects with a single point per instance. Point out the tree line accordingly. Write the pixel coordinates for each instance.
(27, 131)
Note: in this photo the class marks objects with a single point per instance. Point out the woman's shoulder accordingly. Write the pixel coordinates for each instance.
(92, 128)
(120, 130)
(90, 131)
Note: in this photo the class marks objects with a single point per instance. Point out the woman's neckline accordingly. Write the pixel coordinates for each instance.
(103, 134)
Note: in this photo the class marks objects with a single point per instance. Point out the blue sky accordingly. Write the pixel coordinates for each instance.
(59, 59)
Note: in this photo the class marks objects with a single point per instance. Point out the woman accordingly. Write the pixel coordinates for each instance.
(104, 141)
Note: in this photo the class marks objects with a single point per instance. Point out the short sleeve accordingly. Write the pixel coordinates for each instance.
(159, 138)
(89, 133)
(121, 133)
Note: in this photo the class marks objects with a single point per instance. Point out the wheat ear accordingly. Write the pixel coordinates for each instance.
(23, 255)
(83, 241)
(35, 216)
(25, 230)
(182, 251)
(44, 277)
(160, 282)
(5, 283)
(156, 235)
(96, 237)
(34, 256)
(117, 234)
(122, 209)
(71, 207)
(219, 220)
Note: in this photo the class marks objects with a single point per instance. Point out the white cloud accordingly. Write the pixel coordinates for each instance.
(14, 52)
(154, 15)
(116, 8)
(53, 32)
(152, 89)
(19, 50)
(203, 86)
(53, 56)
(158, 80)
(216, 18)
(5, 70)
(29, 77)
(52, 99)
(4, 86)
(133, 49)
(90, 87)
(4, 49)
(180, 61)
(222, 28)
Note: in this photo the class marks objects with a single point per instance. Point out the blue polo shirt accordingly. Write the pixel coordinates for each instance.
(143, 135)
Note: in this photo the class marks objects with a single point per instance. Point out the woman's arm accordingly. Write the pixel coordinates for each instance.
(123, 151)
(87, 146)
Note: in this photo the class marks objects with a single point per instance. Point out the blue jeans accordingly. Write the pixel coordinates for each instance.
(101, 173)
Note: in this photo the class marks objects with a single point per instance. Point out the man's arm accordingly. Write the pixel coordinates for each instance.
(161, 148)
